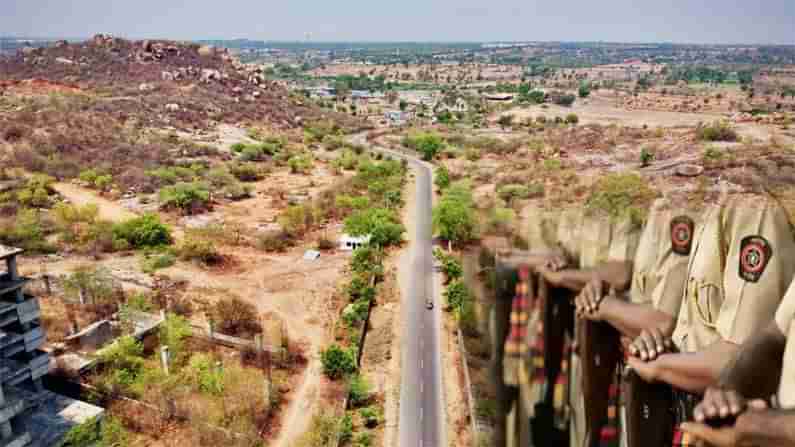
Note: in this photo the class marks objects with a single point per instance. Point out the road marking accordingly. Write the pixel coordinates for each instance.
(422, 411)
(422, 364)
(422, 387)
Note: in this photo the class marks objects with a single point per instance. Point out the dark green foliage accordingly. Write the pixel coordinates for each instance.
(456, 295)
(337, 361)
(451, 266)
(646, 157)
(584, 90)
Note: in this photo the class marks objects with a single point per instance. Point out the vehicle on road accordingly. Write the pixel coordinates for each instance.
(429, 303)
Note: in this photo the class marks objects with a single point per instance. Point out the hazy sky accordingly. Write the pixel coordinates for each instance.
(697, 21)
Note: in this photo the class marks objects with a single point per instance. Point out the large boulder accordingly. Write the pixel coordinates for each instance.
(209, 74)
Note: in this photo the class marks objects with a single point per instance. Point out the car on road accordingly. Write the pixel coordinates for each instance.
(429, 303)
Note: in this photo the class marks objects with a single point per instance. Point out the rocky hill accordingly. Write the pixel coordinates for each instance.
(160, 82)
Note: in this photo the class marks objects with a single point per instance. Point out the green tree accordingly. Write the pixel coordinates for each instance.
(337, 361)
(381, 224)
(144, 231)
(442, 177)
(584, 90)
(454, 217)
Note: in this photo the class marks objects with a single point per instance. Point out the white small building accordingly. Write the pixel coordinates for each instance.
(350, 243)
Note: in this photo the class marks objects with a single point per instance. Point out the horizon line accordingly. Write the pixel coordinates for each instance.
(375, 41)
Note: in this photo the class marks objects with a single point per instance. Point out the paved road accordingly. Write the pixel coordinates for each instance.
(421, 416)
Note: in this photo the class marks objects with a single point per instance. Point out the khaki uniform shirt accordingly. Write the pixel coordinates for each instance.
(660, 266)
(742, 261)
(784, 320)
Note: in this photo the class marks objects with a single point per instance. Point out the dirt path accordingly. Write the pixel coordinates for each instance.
(108, 209)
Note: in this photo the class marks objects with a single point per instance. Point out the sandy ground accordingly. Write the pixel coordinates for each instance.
(283, 284)
(600, 111)
(108, 209)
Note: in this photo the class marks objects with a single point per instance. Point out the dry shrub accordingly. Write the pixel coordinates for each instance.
(233, 316)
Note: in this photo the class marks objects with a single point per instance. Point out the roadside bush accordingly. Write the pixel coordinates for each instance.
(364, 439)
(359, 288)
(355, 313)
(442, 177)
(144, 231)
(189, 198)
(456, 295)
(426, 143)
(454, 217)
(367, 259)
(717, 131)
(337, 361)
(359, 390)
(370, 416)
(383, 226)
(451, 267)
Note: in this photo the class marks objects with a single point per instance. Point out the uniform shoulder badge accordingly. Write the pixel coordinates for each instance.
(755, 254)
(682, 235)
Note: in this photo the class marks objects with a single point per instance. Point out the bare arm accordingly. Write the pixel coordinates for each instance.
(617, 275)
(693, 372)
(755, 370)
(631, 318)
(767, 428)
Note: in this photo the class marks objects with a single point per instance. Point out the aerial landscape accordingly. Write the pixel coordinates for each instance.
(337, 239)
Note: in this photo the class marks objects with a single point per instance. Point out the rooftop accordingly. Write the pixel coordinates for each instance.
(57, 415)
(6, 251)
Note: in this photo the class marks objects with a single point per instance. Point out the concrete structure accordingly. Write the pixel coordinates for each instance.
(22, 363)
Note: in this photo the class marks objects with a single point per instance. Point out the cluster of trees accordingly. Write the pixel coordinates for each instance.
(700, 73)
(454, 217)
(428, 144)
